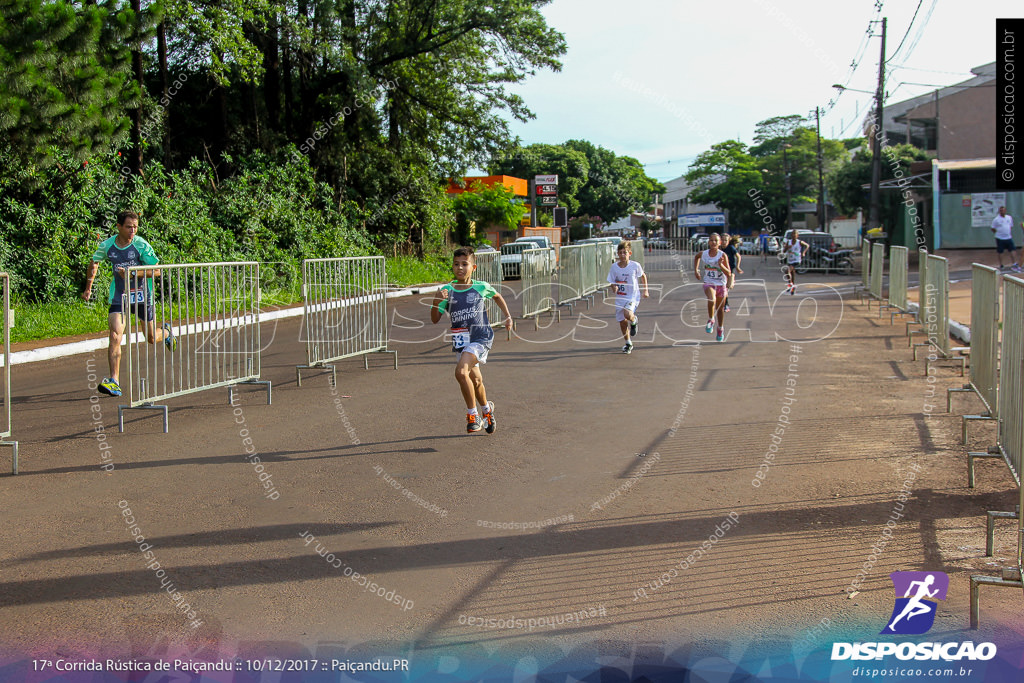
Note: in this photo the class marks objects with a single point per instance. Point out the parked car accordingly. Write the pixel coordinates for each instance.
(542, 242)
(512, 258)
(485, 248)
(658, 243)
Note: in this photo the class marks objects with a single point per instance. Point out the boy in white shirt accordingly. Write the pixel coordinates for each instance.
(624, 277)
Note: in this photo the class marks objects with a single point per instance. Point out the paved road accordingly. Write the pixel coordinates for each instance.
(606, 475)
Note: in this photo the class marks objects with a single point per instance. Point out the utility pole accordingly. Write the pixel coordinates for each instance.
(822, 211)
(876, 135)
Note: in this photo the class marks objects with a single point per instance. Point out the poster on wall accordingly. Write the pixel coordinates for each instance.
(985, 207)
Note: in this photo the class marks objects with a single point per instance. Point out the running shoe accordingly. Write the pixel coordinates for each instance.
(632, 326)
(721, 334)
(628, 348)
(727, 309)
(109, 387)
(489, 423)
(170, 341)
(792, 290)
(710, 326)
(472, 423)
(1016, 269)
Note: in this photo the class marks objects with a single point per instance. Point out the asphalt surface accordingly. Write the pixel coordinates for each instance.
(606, 474)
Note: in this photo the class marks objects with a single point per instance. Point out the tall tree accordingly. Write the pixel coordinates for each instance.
(726, 175)
(67, 78)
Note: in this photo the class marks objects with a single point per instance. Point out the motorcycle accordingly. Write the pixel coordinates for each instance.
(818, 258)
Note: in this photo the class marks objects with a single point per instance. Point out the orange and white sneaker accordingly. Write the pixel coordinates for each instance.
(472, 423)
(489, 423)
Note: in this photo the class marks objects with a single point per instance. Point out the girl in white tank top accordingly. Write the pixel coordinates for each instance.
(716, 272)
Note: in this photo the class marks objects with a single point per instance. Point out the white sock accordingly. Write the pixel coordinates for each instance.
(471, 411)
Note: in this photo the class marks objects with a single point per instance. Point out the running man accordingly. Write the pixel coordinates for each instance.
(915, 606)
(465, 299)
(624, 278)
(716, 273)
(124, 250)
(794, 249)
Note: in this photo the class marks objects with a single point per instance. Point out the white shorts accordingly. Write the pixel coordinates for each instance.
(623, 305)
(477, 349)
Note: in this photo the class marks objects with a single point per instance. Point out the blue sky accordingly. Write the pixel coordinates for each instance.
(662, 80)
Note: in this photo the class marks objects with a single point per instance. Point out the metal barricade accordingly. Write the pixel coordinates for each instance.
(984, 375)
(1011, 433)
(571, 274)
(536, 281)
(488, 269)
(922, 274)
(865, 268)
(637, 247)
(344, 312)
(5, 391)
(934, 316)
(877, 269)
(668, 255)
(212, 310)
(605, 259)
(590, 277)
(898, 257)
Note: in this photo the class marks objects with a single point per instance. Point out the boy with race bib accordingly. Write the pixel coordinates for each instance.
(625, 278)
(122, 251)
(464, 299)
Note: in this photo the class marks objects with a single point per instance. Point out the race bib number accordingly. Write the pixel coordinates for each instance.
(136, 296)
(460, 337)
(620, 289)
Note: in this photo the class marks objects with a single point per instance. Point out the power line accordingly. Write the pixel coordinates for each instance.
(909, 26)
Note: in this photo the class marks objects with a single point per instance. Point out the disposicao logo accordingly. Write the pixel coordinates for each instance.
(917, 594)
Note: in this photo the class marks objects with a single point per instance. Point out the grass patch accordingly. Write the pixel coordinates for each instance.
(406, 270)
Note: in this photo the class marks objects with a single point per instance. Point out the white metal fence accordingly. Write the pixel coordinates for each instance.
(877, 269)
(1011, 432)
(488, 269)
(668, 255)
(984, 377)
(6, 426)
(605, 259)
(934, 309)
(571, 274)
(898, 278)
(637, 247)
(536, 281)
(344, 311)
(213, 311)
(865, 268)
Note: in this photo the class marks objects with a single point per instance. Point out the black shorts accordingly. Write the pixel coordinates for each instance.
(1004, 245)
(143, 310)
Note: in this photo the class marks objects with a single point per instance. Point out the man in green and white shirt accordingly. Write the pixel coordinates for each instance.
(123, 251)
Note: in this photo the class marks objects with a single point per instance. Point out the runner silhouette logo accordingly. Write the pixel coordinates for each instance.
(917, 594)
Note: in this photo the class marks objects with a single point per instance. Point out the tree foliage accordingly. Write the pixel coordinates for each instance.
(67, 81)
